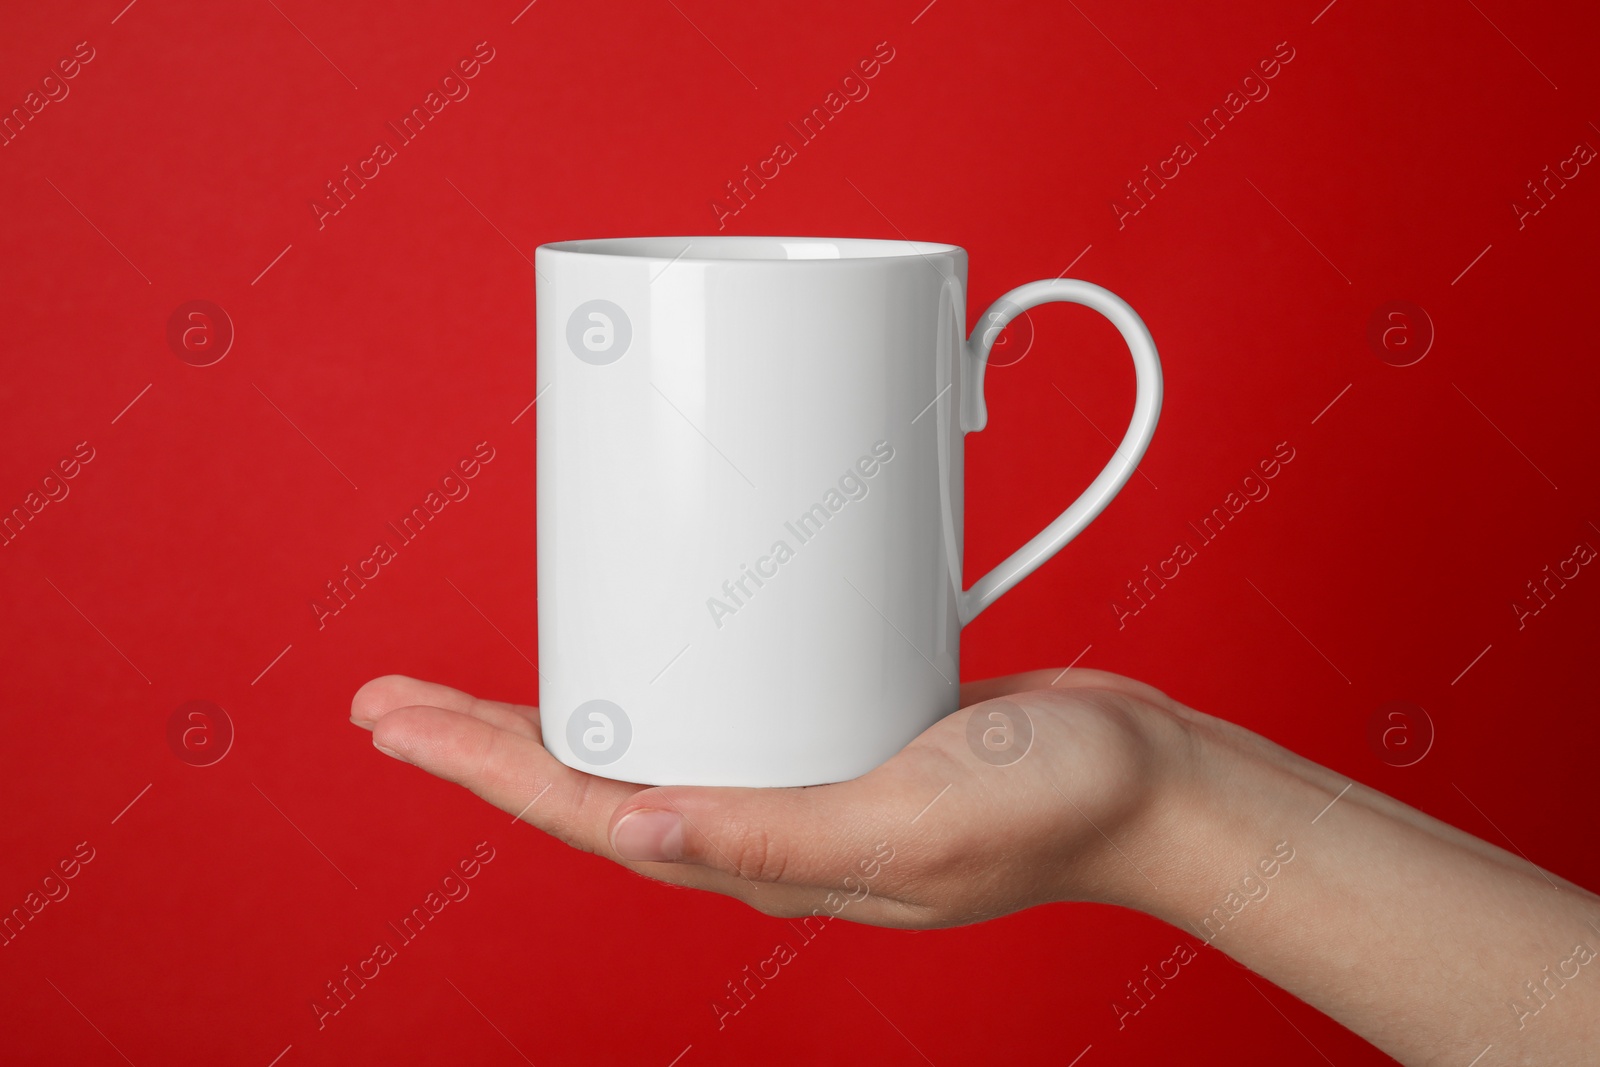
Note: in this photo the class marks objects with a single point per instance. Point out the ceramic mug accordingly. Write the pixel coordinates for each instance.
(750, 499)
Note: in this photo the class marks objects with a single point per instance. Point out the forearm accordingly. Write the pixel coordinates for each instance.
(1415, 935)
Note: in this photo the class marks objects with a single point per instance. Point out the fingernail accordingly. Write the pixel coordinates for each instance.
(389, 752)
(655, 836)
(365, 724)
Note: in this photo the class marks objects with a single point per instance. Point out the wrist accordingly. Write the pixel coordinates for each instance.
(1214, 828)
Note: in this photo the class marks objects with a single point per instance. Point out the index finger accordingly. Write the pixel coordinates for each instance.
(508, 768)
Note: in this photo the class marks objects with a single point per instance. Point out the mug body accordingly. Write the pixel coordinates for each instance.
(749, 504)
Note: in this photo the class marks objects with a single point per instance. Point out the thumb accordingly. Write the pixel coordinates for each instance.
(797, 836)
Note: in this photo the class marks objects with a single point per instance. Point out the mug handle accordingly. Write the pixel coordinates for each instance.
(974, 416)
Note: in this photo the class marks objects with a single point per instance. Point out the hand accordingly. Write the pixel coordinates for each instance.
(1410, 932)
(937, 836)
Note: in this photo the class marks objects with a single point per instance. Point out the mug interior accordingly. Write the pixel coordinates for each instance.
(751, 248)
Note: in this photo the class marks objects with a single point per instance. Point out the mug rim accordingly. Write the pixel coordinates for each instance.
(812, 249)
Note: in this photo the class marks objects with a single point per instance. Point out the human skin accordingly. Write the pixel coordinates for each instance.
(1415, 935)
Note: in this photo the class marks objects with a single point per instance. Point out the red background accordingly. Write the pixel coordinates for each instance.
(378, 350)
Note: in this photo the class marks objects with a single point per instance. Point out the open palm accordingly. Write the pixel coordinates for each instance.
(1026, 795)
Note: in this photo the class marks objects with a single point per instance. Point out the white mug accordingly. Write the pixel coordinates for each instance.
(750, 499)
